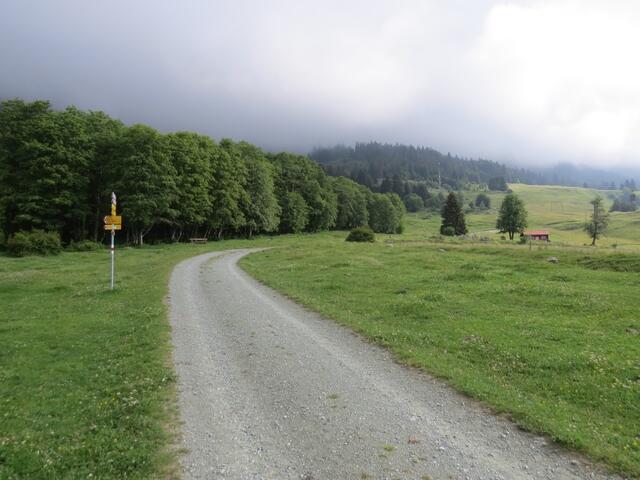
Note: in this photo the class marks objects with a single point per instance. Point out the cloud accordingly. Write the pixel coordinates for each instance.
(535, 82)
(563, 74)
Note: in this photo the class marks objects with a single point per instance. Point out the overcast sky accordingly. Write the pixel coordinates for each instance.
(533, 82)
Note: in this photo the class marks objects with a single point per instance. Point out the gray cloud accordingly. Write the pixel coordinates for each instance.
(533, 82)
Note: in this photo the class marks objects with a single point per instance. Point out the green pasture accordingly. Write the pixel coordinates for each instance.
(88, 387)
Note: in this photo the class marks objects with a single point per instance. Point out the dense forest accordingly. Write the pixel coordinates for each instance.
(371, 163)
(58, 169)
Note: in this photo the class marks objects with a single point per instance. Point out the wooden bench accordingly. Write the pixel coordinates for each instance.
(198, 240)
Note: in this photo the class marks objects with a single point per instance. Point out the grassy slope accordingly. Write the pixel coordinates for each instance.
(563, 211)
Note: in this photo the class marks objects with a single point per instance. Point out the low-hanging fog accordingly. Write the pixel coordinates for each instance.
(531, 82)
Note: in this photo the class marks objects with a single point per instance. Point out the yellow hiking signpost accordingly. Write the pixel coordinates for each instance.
(116, 219)
(113, 222)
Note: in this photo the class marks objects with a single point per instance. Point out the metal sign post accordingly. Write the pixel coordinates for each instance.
(113, 222)
(113, 256)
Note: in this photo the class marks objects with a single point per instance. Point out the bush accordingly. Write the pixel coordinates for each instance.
(84, 246)
(35, 242)
(413, 202)
(448, 231)
(483, 201)
(361, 234)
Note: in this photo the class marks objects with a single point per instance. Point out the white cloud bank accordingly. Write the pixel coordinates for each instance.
(536, 82)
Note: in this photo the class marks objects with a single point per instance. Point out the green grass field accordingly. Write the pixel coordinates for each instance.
(85, 373)
(560, 210)
(564, 210)
(87, 384)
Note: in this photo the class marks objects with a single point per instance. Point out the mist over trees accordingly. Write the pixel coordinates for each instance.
(58, 168)
(386, 167)
(627, 201)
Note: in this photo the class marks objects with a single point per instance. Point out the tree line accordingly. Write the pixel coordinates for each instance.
(386, 167)
(627, 201)
(59, 167)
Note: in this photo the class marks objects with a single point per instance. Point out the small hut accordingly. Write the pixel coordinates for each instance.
(541, 235)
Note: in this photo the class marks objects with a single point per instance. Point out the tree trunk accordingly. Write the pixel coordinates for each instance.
(96, 226)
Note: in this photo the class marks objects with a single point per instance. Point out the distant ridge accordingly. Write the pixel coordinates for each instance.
(370, 163)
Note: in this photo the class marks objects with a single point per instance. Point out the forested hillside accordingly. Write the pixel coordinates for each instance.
(371, 163)
(58, 169)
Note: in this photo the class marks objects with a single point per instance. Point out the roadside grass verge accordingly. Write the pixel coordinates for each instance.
(86, 381)
(556, 346)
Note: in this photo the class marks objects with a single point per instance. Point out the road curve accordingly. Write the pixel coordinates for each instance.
(269, 390)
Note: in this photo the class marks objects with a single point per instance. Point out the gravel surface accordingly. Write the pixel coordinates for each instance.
(270, 390)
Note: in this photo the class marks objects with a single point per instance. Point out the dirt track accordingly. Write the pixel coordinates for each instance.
(269, 390)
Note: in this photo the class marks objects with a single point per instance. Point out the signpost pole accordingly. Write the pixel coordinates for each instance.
(113, 256)
(113, 241)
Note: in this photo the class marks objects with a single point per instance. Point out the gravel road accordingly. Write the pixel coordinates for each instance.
(269, 390)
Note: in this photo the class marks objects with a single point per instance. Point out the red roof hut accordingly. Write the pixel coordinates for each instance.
(537, 235)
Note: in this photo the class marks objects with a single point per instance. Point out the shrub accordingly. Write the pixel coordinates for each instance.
(483, 201)
(413, 202)
(84, 246)
(361, 234)
(448, 231)
(19, 245)
(35, 242)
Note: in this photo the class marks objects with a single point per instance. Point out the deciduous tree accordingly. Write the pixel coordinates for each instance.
(144, 180)
(351, 203)
(599, 221)
(385, 213)
(295, 213)
(512, 217)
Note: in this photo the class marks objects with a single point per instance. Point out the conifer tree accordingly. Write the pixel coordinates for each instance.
(453, 222)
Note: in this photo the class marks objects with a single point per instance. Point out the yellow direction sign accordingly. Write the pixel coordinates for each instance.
(114, 225)
(117, 219)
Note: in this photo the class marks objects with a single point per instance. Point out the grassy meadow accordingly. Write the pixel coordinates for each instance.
(87, 383)
(564, 210)
(85, 373)
(560, 210)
